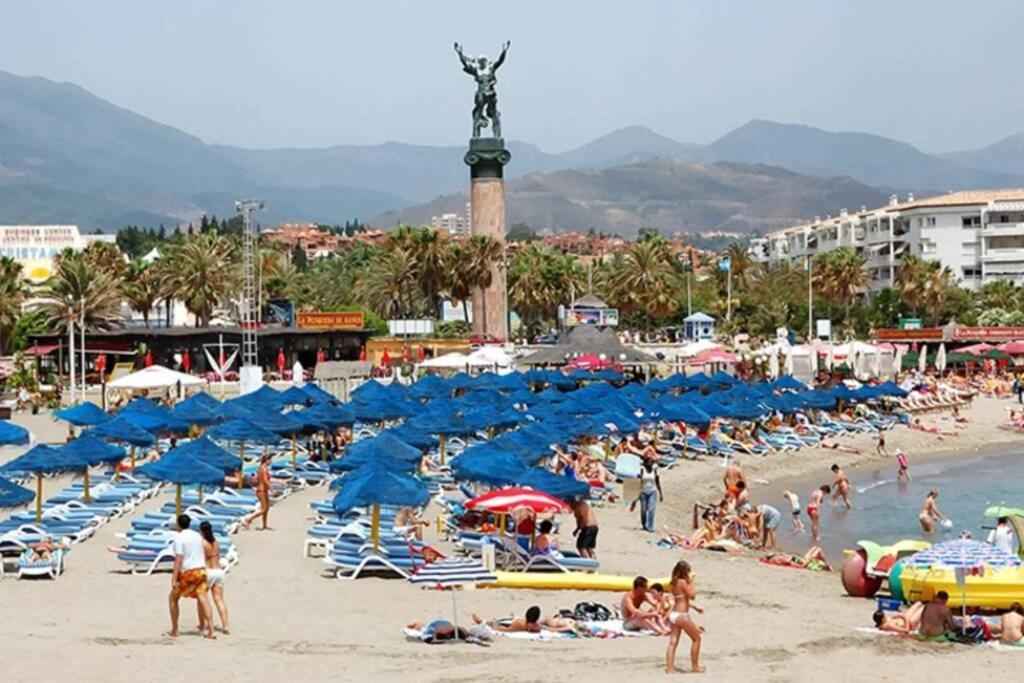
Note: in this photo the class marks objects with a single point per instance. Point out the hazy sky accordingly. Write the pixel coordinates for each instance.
(941, 75)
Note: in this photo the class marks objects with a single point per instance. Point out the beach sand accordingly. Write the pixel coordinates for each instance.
(292, 621)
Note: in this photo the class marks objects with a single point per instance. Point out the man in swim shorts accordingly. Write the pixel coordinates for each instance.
(586, 528)
(794, 504)
(841, 487)
(636, 614)
(936, 620)
(1012, 623)
(770, 520)
(188, 578)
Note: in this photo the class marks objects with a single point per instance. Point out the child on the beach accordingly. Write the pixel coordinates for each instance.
(794, 504)
(901, 460)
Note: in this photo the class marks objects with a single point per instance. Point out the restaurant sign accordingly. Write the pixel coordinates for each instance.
(345, 320)
(922, 334)
(988, 333)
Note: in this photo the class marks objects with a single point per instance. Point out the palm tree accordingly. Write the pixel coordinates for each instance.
(143, 288)
(911, 281)
(484, 254)
(388, 286)
(201, 272)
(646, 279)
(13, 294)
(459, 277)
(79, 291)
(773, 291)
(431, 253)
(839, 276)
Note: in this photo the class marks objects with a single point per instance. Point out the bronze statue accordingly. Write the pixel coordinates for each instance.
(485, 102)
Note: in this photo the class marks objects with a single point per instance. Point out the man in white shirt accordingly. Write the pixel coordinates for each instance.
(1002, 536)
(188, 580)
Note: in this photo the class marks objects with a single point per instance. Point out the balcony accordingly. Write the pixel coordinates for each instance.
(1002, 229)
(1003, 255)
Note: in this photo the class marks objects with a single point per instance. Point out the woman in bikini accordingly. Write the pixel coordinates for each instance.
(814, 508)
(214, 576)
(262, 493)
(902, 622)
(930, 514)
(683, 592)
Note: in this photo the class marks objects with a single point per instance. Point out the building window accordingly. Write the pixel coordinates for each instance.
(1004, 219)
(971, 273)
(930, 221)
(971, 221)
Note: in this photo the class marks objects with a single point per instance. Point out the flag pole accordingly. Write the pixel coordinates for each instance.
(810, 299)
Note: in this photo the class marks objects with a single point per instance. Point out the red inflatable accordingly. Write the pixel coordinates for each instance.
(855, 579)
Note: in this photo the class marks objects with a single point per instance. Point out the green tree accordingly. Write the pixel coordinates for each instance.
(13, 295)
(202, 273)
(647, 280)
(143, 288)
(79, 290)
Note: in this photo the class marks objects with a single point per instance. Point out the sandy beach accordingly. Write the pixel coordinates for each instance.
(292, 620)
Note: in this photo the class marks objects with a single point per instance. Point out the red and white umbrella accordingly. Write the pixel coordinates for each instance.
(504, 501)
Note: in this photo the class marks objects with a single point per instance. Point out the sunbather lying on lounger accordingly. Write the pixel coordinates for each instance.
(41, 550)
(835, 445)
(906, 621)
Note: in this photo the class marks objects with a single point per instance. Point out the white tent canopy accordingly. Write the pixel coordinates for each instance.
(695, 349)
(155, 377)
(486, 357)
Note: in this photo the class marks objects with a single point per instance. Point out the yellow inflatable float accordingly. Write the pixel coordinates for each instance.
(580, 581)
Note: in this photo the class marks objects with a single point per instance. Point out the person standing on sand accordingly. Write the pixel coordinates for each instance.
(930, 514)
(586, 528)
(214, 576)
(262, 494)
(841, 487)
(814, 508)
(880, 448)
(1012, 626)
(188, 577)
(684, 593)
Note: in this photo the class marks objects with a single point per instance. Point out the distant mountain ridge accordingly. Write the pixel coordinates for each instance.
(663, 194)
(69, 156)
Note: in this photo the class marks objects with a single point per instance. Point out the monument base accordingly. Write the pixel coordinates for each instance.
(486, 159)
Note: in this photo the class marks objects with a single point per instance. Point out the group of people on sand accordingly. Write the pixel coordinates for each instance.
(934, 621)
(197, 574)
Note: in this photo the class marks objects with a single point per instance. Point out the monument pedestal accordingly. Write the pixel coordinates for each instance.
(486, 159)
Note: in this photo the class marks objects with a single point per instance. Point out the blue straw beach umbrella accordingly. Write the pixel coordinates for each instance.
(140, 405)
(206, 451)
(379, 411)
(559, 486)
(788, 383)
(178, 468)
(376, 486)
(385, 444)
(290, 425)
(232, 410)
(82, 415)
(39, 460)
(430, 386)
(443, 426)
(417, 438)
(318, 394)
(294, 396)
(122, 431)
(622, 421)
(195, 413)
(241, 431)
(87, 451)
(12, 495)
(329, 416)
(488, 464)
(360, 461)
(12, 434)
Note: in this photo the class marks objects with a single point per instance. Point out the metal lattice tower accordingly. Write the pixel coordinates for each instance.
(250, 296)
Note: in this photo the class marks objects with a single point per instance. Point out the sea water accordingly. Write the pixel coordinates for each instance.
(885, 510)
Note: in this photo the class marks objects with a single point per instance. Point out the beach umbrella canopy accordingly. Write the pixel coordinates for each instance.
(504, 501)
(294, 396)
(1014, 348)
(140, 405)
(412, 436)
(12, 434)
(152, 422)
(318, 394)
(488, 416)
(379, 486)
(559, 486)
(209, 453)
(90, 450)
(965, 553)
(746, 410)
(195, 413)
(377, 411)
(451, 572)
(278, 423)
(488, 464)
(82, 415)
(242, 430)
(373, 390)
(822, 400)
(788, 383)
(360, 461)
(121, 430)
(236, 410)
(12, 495)
(328, 415)
(684, 411)
(40, 459)
(385, 444)
(179, 468)
(724, 378)
(623, 422)
(442, 425)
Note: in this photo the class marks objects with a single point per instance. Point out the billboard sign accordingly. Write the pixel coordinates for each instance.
(333, 320)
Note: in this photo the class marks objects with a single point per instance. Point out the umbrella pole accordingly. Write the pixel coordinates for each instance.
(490, 432)
(375, 529)
(132, 451)
(441, 445)
(200, 494)
(39, 496)
(85, 482)
(241, 469)
(455, 612)
(177, 500)
(295, 453)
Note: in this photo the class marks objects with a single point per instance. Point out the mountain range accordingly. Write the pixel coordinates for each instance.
(71, 157)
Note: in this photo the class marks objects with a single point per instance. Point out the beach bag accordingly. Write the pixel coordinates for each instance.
(592, 611)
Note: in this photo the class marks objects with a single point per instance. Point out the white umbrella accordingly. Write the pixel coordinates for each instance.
(155, 377)
(773, 365)
(298, 374)
(452, 572)
(940, 358)
(830, 359)
(877, 366)
(897, 361)
(922, 358)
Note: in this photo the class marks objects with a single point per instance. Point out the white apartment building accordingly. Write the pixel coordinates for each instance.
(978, 234)
(453, 223)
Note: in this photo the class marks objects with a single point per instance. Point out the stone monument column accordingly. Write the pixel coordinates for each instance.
(486, 159)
